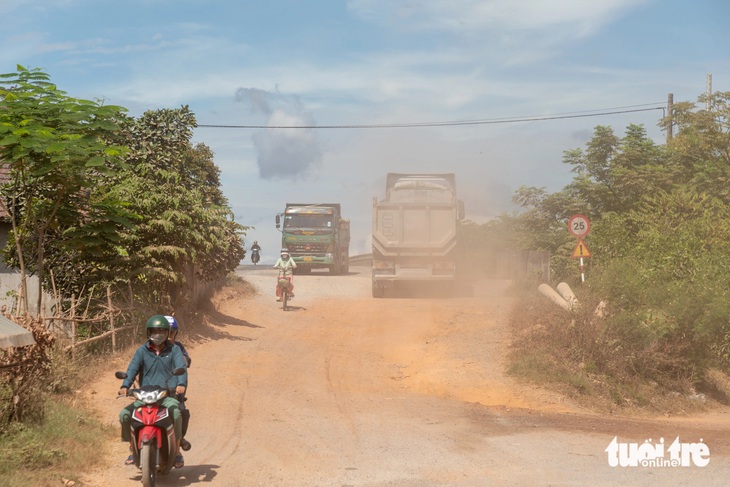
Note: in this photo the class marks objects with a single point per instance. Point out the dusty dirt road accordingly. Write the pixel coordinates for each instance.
(346, 390)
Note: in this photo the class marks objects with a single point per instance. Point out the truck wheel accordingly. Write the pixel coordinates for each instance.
(335, 268)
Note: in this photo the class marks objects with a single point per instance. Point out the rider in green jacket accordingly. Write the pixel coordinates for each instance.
(152, 365)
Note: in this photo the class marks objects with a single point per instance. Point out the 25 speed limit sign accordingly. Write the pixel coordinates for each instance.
(579, 226)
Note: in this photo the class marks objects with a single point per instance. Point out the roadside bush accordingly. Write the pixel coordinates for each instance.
(659, 336)
(55, 451)
(23, 378)
(660, 244)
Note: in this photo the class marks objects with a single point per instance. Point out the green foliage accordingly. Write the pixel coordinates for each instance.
(701, 149)
(660, 239)
(100, 198)
(57, 149)
(185, 226)
(54, 451)
(613, 174)
(65, 441)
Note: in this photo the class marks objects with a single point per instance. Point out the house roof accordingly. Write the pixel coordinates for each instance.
(14, 335)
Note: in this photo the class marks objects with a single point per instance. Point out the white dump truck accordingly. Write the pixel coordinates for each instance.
(414, 231)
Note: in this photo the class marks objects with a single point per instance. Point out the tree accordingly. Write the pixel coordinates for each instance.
(614, 174)
(701, 148)
(185, 224)
(101, 197)
(660, 233)
(56, 146)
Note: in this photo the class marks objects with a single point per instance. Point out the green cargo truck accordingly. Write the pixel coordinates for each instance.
(316, 236)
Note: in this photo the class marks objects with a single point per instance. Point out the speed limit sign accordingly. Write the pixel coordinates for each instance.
(579, 226)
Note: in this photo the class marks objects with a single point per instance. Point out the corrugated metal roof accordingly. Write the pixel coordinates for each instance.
(14, 335)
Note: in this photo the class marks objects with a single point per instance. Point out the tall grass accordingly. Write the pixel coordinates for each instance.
(60, 439)
(52, 452)
(640, 355)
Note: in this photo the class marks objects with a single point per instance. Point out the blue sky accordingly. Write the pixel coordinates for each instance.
(373, 62)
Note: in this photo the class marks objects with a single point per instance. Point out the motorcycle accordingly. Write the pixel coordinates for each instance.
(255, 257)
(152, 441)
(284, 284)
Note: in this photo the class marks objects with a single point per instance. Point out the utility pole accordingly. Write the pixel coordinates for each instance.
(709, 91)
(670, 109)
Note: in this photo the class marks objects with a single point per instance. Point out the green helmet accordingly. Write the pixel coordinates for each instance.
(158, 322)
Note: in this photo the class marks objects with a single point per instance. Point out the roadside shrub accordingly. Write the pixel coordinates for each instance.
(664, 270)
(23, 377)
(628, 357)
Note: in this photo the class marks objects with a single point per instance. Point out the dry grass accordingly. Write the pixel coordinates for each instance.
(235, 288)
(66, 441)
(578, 355)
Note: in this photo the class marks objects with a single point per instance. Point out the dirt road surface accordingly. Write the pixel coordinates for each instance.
(346, 390)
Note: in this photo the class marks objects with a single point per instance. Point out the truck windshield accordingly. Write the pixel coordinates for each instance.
(307, 221)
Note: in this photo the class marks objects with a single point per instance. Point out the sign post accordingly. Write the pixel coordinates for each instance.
(579, 226)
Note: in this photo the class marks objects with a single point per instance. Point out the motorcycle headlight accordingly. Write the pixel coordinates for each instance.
(150, 397)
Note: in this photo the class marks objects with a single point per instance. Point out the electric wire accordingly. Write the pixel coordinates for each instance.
(535, 118)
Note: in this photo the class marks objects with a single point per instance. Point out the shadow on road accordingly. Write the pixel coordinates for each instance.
(431, 290)
(209, 329)
(188, 475)
(289, 307)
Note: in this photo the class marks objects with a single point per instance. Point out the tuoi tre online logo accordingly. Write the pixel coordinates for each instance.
(648, 454)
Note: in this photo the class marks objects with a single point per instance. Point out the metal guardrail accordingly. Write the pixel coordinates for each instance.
(362, 259)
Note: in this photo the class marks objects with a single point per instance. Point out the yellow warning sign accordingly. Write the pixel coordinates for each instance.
(580, 250)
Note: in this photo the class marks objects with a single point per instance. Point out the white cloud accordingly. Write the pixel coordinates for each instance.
(7, 6)
(517, 32)
(468, 15)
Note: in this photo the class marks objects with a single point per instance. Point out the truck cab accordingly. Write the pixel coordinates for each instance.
(316, 236)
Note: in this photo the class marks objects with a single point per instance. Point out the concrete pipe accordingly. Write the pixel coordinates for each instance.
(567, 294)
(553, 295)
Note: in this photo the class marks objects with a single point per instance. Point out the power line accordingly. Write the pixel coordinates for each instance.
(536, 118)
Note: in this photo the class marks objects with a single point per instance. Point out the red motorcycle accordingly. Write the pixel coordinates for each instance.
(152, 441)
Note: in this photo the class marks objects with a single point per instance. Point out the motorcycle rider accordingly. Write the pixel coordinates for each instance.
(184, 411)
(255, 248)
(152, 364)
(286, 265)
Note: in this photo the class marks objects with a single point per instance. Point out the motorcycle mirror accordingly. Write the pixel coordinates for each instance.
(120, 375)
(179, 371)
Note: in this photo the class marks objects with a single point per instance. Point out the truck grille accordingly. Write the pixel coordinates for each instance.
(313, 248)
